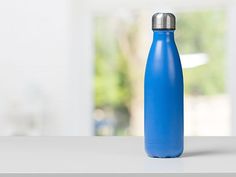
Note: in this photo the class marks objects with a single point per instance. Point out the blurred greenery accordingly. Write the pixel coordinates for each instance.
(112, 83)
(203, 32)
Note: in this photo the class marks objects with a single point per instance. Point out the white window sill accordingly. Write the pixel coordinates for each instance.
(74, 155)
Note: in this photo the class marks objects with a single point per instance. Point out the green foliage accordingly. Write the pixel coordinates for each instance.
(203, 32)
(112, 86)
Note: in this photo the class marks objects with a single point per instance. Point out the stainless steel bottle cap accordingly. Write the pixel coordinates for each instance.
(163, 21)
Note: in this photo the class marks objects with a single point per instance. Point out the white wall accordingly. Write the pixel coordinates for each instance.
(231, 37)
(37, 68)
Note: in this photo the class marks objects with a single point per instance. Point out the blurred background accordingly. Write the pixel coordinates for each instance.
(76, 67)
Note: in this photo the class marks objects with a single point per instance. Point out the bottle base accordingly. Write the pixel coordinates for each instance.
(164, 156)
(157, 151)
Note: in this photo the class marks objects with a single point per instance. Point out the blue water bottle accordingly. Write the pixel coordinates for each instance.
(163, 92)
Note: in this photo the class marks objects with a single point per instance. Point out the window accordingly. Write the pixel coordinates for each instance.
(122, 43)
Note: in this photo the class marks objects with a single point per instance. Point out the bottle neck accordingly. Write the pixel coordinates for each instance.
(167, 35)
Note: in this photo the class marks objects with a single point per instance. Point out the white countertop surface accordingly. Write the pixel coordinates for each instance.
(112, 155)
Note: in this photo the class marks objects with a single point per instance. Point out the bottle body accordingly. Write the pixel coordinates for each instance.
(163, 98)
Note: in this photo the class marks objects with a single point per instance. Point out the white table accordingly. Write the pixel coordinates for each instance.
(71, 156)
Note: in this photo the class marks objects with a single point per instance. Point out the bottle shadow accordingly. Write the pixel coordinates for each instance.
(209, 152)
